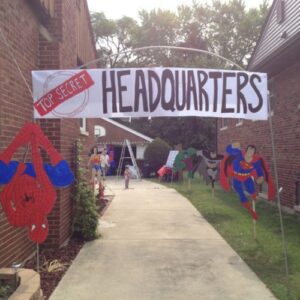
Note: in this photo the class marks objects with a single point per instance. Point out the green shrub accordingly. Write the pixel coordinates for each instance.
(5, 291)
(86, 217)
(156, 154)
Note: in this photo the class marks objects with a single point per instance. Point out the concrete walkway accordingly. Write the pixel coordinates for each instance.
(155, 245)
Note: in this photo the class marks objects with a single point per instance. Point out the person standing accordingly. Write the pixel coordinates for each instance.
(127, 177)
(104, 163)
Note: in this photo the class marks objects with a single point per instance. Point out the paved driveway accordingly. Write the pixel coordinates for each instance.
(155, 245)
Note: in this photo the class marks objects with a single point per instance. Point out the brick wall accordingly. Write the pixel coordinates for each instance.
(21, 24)
(286, 124)
(67, 130)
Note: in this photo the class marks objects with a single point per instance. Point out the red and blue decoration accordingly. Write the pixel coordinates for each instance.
(29, 194)
(184, 161)
(245, 169)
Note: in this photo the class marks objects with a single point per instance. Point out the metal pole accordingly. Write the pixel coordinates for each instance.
(284, 248)
(164, 47)
(254, 221)
(37, 258)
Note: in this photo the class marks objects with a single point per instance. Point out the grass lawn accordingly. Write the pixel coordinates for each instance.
(263, 255)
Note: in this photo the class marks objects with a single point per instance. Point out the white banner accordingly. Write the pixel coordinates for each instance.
(144, 92)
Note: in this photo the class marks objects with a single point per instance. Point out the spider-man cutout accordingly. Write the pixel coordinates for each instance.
(29, 195)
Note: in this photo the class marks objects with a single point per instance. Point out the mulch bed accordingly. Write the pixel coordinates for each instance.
(54, 263)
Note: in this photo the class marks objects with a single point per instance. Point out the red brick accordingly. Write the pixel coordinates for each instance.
(21, 27)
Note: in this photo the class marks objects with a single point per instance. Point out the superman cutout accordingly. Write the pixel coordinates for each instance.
(29, 195)
(245, 169)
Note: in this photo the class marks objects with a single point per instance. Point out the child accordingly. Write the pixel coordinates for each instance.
(104, 163)
(126, 177)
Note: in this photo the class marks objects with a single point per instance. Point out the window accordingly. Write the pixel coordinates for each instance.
(271, 97)
(263, 190)
(48, 6)
(83, 127)
(224, 124)
(297, 200)
(78, 3)
(297, 193)
(239, 122)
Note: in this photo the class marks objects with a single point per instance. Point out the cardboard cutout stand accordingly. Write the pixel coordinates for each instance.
(29, 195)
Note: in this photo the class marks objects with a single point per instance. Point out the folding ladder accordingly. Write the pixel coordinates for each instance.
(122, 157)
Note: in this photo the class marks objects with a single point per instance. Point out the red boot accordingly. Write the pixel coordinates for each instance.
(251, 211)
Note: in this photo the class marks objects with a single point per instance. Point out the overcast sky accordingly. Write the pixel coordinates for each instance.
(115, 9)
